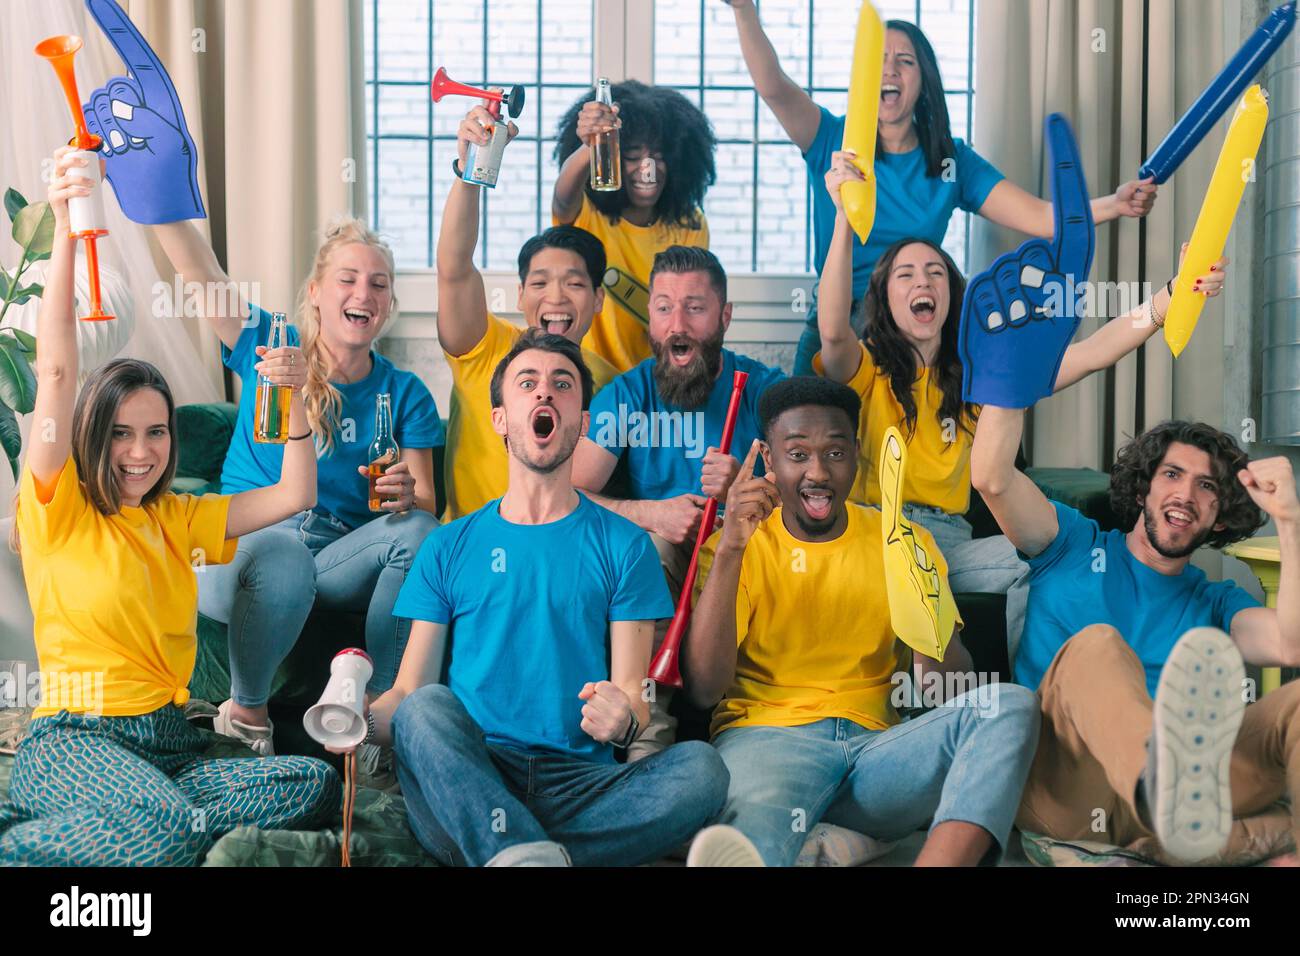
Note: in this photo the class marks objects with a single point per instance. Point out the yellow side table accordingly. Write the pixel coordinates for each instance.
(1265, 560)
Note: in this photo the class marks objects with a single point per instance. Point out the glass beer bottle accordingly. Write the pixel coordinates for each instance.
(606, 166)
(271, 405)
(383, 450)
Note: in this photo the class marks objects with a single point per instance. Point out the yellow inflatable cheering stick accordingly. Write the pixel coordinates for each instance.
(1234, 169)
(860, 123)
(921, 605)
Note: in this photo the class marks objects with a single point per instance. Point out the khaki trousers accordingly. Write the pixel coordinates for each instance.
(1097, 717)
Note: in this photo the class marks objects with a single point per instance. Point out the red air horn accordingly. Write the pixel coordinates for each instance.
(482, 163)
(665, 668)
(443, 85)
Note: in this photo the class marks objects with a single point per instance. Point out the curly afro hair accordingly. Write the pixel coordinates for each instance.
(663, 121)
(1136, 463)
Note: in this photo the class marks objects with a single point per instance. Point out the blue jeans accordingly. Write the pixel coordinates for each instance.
(966, 760)
(467, 799)
(979, 565)
(264, 595)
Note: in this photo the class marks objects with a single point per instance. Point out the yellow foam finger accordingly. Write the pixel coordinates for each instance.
(921, 606)
(1235, 167)
(859, 198)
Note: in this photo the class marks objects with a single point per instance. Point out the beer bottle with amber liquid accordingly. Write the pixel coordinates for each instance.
(606, 166)
(271, 404)
(383, 450)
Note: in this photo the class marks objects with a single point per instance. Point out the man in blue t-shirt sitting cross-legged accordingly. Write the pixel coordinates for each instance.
(1117, 618)
(546, 604)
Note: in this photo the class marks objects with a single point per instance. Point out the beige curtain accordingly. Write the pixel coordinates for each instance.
(275, 98)
(1084, 58)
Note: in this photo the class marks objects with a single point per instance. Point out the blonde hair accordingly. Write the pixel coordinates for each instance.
(324, 402)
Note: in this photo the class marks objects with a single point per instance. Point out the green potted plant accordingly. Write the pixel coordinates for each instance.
(33, 231)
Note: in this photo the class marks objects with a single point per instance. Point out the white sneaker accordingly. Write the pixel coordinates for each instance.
(258, 739)
(1198, 711)
(722, 845)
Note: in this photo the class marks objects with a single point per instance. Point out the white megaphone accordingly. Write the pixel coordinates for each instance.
(338, 719)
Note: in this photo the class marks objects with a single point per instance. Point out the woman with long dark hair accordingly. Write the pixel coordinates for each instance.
(906, 369)
(110, 771)
(666, 146)
(924, 172)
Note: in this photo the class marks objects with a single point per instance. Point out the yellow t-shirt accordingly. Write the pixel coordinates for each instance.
(618, 334)
(476, 470)
(938, 469)
(115, 597)
(813, 628)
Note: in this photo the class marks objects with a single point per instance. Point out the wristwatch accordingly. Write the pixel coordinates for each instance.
(370, 727)
(633, 728)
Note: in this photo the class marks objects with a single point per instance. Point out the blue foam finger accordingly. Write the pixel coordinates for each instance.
(1006, 278)
(1012, 360)
(154, 171)
(1074, 236)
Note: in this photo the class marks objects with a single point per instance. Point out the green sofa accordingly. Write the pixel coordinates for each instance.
(205, 432)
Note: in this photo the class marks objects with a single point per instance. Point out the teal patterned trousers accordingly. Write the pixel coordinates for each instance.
(137, 791)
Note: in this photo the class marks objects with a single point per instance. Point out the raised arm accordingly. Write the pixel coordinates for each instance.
(1123, 334)
(1010, 206)
(1021, 509)
(56, 332)
(462, 302)
(191, 255)
(566, 200)
(794, 109)
(841, 355)
(1270, 637)
(709, 652)
(296, 490)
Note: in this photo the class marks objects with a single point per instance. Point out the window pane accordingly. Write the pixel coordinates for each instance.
(403, 200)
(782, 210)
(403, 110)
(677, 42)
(732, 114)
(566, 41)
(403, 39)
(729, 204)
(947, 25)
(457, 39)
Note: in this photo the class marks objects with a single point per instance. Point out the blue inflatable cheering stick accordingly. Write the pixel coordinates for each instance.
(1019, 315)
(1224, 91)
(148, 152)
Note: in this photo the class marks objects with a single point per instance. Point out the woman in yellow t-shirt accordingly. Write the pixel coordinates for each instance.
(110, 772)
(907, 371)
(667, 146)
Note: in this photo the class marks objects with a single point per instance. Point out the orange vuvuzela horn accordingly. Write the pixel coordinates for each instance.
(84, 212)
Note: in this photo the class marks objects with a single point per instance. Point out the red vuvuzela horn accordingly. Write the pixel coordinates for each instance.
(665, 668)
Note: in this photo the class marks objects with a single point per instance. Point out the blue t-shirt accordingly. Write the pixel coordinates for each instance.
(665, 444)
(340, 491)
(528, 609)
(1089, 576)
(908, 202)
